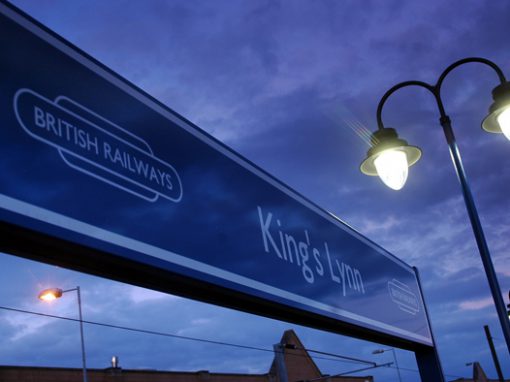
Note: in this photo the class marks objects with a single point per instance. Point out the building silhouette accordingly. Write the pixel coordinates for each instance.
(294, 361)
(478, 375)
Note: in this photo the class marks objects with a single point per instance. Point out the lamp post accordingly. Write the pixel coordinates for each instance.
(508, 305)
(380, 351)
(389, 157)
(54, 293)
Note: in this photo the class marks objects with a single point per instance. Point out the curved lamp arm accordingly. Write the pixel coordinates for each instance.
(436, 89)
(401, 85)
(479, 60)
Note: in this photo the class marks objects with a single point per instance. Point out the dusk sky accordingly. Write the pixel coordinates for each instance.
(292, 86)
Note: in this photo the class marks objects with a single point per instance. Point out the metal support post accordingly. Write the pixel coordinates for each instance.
(477, 230)
(427, 358)
(84, 364)
(493, 352)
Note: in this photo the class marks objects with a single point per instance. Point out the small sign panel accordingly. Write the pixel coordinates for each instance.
(89, 158)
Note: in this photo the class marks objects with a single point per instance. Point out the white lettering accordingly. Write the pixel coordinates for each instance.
(39, 117)
(296, 253)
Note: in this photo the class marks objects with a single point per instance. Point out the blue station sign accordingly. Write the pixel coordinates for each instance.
(90, 159)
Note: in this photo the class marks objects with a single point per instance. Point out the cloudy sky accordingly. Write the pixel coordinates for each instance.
(289, 85)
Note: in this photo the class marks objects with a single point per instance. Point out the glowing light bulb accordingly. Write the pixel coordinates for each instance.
(392, 168)
(48, 296)
(504, 122)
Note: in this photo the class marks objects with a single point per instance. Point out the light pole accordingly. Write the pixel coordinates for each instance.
(54, 293)
(380, 351)
(508, 305)
(389, 157)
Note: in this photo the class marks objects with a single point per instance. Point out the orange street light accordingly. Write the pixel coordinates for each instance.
(54, 293)
(50, 294)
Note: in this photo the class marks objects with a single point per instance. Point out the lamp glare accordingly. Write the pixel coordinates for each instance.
(48, 296)
(392, 168)
(504, 122)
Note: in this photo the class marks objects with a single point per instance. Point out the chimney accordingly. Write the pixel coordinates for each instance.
(115, 362)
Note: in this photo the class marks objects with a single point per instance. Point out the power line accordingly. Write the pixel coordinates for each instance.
(338, 357)
(157, 333)
(417, 371)
(292, 346)
(375, 366)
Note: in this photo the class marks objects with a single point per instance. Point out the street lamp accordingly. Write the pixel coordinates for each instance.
(380, 351)
(54, 293)
(390, 156)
